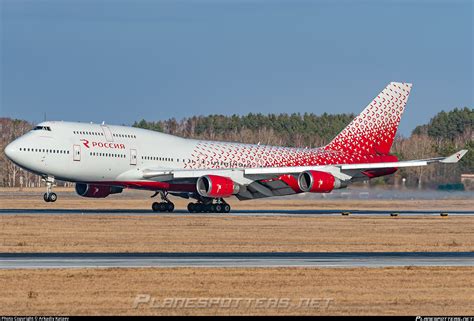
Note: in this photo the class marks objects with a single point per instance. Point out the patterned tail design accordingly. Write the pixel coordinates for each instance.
(373, 131)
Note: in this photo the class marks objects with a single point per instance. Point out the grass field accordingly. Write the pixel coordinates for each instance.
(406, 291)
(185, 233)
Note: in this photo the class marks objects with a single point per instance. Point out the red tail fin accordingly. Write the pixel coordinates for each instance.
(373, 131)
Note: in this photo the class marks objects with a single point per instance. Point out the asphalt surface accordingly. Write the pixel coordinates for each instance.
(327, 260)
(233, 212)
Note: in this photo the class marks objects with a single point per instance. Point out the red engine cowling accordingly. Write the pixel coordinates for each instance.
(216, 186)
(96, 191)
(317, 182)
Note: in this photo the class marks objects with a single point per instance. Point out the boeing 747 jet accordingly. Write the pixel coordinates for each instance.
(104, 159)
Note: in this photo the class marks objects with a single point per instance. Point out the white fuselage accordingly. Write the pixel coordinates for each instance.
(82, 152)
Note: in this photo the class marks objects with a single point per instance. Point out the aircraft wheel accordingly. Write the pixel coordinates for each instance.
(170, 207)
(46, 197)
(218, 208)
(53, 197)
(191, 208)
(226, 208)
(163, 207)
(199, 207)
(155, 206)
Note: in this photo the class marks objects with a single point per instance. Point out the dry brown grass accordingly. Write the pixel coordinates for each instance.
(184, 233)
(406, 291)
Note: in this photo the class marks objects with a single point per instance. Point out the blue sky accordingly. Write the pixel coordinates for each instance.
(121, 61)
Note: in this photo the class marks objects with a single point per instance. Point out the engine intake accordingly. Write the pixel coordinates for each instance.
(96, 191)
(216, 186)
(318, 182)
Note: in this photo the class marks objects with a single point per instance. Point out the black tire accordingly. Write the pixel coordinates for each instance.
(219, 208)
(53, 197)
(155, 207)
(213, 208)
(226, 208)
(46, 197)
(191, 208)
(198, 208)
(163, 207)
(170, 207)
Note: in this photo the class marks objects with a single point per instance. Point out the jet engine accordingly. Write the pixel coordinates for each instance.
(318, 182)
(216, 186)
(96, 191)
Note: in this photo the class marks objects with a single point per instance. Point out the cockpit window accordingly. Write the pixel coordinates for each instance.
(42, 128)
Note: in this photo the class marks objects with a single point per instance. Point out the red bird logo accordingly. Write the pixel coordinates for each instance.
(85, 142)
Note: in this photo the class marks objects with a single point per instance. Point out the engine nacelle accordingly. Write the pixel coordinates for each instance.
(318, 182)
(216, 186)
(96, 191)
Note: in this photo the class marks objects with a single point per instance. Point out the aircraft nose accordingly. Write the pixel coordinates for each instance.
(12, 150)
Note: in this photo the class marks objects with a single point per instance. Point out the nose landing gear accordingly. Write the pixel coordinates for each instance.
(49, 196)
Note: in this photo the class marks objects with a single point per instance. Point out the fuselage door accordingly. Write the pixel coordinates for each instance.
(76, 153)
(107, 133)
(133, 157)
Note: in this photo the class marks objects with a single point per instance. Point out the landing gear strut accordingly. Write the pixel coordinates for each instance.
(165, 206)
(49, 196)
(201, 207)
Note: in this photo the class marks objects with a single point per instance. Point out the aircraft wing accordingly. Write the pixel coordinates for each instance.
(269, 172)
(278, 181)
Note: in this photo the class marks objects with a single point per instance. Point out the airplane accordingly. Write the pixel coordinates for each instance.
(103, 159)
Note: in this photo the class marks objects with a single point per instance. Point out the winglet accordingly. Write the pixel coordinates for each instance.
(454, 158)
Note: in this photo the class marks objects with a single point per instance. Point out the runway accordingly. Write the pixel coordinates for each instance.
(223, 259)
(126, 212)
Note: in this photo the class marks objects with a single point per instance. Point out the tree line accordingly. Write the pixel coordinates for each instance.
(446, 133)
(299, 130)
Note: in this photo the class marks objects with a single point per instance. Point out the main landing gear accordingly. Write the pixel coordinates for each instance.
(219, 207)
(165, 206)
(203, 204)
(49, 196)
